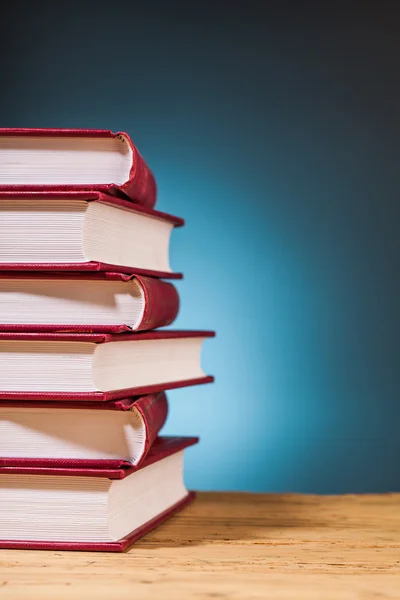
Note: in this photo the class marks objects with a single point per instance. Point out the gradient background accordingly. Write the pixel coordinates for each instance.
(276, 133)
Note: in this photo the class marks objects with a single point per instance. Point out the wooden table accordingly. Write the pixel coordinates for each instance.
(233, 546)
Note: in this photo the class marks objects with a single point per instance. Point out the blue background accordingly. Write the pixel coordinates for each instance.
(275, 133)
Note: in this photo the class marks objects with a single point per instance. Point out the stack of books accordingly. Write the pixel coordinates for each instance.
(84, 364)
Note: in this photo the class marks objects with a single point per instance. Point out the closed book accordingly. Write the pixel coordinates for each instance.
(84, 302)
(98, 366)
(75, 159)
(85, 434)
(83, 231)
(93, 509)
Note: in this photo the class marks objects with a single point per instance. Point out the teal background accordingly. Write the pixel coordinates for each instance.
(274, 132)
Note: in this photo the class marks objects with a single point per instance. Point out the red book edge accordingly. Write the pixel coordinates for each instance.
(154, 411)
(99, 338)
(55, 131)
(91, 267)
(124, 404)
(163, 447)
(103, 396)
(140, 187)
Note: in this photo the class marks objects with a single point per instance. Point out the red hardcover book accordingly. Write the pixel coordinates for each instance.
(98, 509)
(65, 302)
(98, 367)
(83, 231)
(75, 159)
(80, 434)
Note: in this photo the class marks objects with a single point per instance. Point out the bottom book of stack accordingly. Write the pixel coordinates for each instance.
(87, 476)
(78, 508)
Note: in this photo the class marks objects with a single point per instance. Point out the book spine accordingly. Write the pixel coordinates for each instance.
(141, 186)
(161, 303)
(86, 267)
(154, 411)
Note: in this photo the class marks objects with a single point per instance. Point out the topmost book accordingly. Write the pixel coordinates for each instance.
(76, 160)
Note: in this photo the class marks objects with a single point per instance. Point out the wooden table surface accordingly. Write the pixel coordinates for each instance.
(233, 546)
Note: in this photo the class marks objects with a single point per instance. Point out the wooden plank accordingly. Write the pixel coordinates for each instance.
(234, 545)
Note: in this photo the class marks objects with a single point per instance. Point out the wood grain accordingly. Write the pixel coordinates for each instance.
(233, 546)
